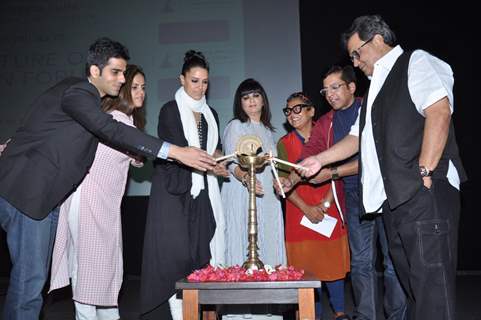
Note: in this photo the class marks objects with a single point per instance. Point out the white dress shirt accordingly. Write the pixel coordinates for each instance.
(429, 80)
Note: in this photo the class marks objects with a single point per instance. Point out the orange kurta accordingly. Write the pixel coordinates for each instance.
(326, 258)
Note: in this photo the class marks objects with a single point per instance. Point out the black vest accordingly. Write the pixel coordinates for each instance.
(398, 134)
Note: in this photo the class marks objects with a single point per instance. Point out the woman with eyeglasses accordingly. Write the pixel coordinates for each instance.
(325, 257)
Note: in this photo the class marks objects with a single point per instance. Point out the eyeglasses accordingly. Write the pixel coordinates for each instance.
(356, 55)
(332, 87)
(296, 109)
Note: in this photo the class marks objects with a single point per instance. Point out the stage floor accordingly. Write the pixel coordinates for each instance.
(59, 306)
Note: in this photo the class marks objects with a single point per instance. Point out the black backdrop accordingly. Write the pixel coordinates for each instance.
(448, 32)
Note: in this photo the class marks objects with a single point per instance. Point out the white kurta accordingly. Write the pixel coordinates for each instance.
(92, 215)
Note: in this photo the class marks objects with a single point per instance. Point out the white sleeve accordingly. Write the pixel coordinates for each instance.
(355, 127)
(429, 80)
(230, 138)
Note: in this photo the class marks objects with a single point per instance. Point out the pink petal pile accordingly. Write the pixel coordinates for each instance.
(237, 274)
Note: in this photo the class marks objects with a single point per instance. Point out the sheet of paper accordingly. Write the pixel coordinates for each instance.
(325, 227)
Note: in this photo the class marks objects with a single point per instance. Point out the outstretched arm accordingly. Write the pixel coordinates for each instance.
(192, 157)
(347, 169)
(82, 104)
(340, 151)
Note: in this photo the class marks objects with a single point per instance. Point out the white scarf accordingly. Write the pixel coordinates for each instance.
(187, 106)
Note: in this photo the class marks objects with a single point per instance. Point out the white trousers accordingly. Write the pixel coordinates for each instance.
(175, 307)
(90, 312)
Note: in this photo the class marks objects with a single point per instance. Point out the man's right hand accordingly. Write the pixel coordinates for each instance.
(192, 157)
(312, 166)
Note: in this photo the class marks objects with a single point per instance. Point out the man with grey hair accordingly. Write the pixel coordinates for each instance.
(409, 162)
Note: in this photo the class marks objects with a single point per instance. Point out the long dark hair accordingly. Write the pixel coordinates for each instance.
(246, 87)
(123, 102)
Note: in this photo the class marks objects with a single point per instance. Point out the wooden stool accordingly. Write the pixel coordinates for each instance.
(299, 292)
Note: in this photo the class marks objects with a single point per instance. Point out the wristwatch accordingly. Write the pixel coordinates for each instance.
(425, 172)
(334, 173)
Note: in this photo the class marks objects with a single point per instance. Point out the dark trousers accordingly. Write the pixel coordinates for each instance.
(423, 236)
(363, 237)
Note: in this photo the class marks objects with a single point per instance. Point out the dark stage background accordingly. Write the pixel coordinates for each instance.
(447, 32)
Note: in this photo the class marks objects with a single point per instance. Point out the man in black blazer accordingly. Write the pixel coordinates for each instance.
(48, 157)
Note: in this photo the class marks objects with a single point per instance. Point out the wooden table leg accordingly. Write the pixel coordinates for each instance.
(209, 315)
(306, 304)
(190, 304)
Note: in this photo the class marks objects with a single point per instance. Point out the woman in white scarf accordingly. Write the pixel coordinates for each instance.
(185, 221)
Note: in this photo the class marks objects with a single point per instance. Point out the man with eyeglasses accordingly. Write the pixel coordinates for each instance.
(339, 87)
(410, 165)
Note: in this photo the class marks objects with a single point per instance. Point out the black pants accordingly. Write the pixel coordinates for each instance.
(423, 236)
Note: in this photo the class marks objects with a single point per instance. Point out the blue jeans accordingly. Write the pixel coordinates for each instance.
(363, 235)
(30, 243)
(335, 290)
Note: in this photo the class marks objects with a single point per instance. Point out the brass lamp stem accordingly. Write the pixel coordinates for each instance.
(253, 261)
